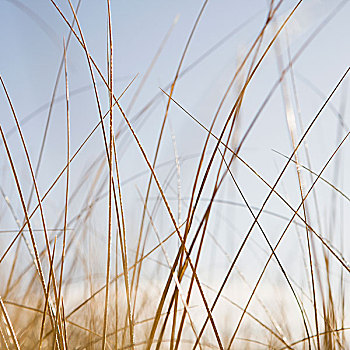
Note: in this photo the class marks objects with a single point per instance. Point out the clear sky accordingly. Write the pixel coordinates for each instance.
(31, 48)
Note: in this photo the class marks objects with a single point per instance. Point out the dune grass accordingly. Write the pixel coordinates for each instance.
(208, 248)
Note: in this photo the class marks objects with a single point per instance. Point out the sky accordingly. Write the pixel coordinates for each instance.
(31, 43)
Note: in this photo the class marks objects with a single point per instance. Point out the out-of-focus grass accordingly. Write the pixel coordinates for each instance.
(209, 252)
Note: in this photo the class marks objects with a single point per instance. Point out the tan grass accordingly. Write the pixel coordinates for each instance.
(146, 288)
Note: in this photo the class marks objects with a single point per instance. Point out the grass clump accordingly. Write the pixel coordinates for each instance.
(208, 213)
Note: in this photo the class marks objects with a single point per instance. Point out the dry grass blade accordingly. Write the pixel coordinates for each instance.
(291, 122)
(110, 175)
(9, 325)
(321, 178)
(49, 114)
(59, 311)
(124, 225)
(48, 294)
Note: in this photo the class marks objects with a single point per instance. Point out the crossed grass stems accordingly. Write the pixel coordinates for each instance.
(185, 264)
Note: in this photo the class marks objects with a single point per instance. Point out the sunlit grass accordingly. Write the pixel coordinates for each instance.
(196, 249)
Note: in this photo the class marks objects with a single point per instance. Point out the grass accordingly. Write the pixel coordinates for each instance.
(135, 230)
